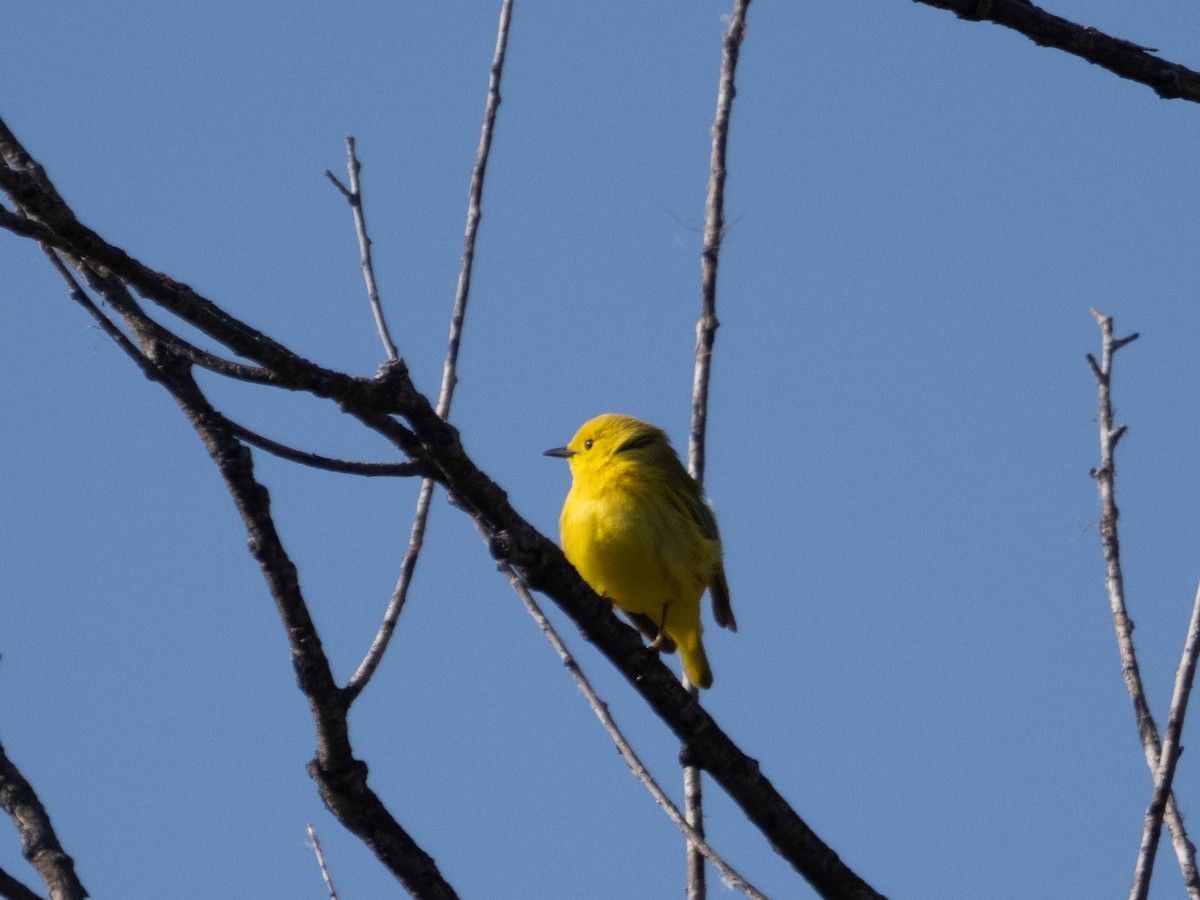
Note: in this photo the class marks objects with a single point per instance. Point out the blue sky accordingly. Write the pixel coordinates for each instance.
(902, 422)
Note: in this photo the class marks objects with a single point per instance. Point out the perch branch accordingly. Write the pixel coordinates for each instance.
(600, 708)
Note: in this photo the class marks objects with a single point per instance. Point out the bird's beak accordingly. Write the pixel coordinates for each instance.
(561, 452)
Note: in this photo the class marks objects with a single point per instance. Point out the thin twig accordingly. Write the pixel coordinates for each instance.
(1170, 756)
(1105, 476)
(474, 212)
(714, 233)
(317, 461)
(600, 708)
(354, 197)
(416, 538)
(706, 331)
(315, 843)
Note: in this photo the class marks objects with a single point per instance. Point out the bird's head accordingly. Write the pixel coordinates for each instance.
(612, 439)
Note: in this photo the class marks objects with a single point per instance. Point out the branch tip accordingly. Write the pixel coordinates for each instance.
(341, 187)
(1121, 342)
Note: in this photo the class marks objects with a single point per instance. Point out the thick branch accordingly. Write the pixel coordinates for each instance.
(39, 843)
(1128, 60)
(118, 297)
(340, 777)
(11, 889)
(26, 183)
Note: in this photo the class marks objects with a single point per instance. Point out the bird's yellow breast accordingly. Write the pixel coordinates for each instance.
(634, 542)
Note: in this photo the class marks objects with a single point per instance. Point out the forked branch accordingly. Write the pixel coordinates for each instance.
(416, 539)
(1105, 476)
(1165, 774)
(390, 404)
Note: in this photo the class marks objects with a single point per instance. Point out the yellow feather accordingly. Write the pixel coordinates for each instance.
(636, 527)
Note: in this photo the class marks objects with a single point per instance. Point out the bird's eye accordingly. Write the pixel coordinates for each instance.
(587, 445)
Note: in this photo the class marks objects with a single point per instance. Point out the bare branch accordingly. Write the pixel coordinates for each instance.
(600, 708)
(1105, 476)
(39, 843)
(1165, 775)
(1124, 58)
(450, 368)
(353, 196)
(18, 224)
(714, 233)
(26, 184)
(11, 889)
(116, 295)
(340, 777)
(428, 437)
(317, 461)
(315, 844)
(706, 332)
(337, 183)
(474, 212)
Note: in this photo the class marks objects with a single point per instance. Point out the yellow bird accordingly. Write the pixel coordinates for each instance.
(638, 530)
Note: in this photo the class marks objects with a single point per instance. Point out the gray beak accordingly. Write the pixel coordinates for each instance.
(561, 452)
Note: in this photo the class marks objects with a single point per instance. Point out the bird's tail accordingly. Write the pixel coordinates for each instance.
(695, 660)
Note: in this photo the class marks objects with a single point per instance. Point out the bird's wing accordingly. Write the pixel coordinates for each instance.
(703, 515)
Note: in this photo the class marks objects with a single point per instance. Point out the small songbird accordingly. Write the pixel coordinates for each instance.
(638, 530)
